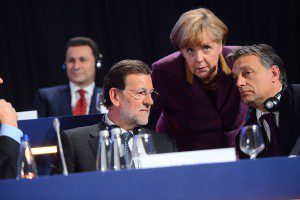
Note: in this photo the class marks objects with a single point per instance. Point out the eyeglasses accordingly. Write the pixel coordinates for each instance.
(142, 94)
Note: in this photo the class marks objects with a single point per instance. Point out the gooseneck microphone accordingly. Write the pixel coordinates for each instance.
(56, 125)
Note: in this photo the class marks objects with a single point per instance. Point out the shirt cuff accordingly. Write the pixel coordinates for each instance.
(12, 132)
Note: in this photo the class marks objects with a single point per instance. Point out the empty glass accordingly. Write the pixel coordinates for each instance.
(251, 140)
(142, 146)
(99, 104)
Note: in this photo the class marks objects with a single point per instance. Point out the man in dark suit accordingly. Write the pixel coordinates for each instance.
(275, 106)
(79, 96)
(128, 93)
(10, 137)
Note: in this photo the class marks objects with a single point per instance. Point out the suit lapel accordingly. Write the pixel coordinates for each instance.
(65, 101)
(224, 86)
(285, 122)
(94, 137)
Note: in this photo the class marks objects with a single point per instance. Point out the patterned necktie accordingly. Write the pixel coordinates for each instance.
(80, 108)
(272, 147)
(127, 153)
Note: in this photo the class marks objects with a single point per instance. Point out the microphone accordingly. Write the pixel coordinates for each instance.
(56, 125)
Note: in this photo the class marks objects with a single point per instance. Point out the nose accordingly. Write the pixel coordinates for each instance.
(148, 101)
(199, 56)
(240, 81)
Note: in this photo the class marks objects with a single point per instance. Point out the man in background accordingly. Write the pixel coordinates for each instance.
(79, 96)
(128, 93)
(274, 105)
(10, 137)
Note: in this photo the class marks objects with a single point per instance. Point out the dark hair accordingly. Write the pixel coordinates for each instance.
(83, 41)
(266, 54)
(116, 77)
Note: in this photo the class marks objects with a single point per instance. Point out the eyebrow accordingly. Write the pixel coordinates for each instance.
(243, 67)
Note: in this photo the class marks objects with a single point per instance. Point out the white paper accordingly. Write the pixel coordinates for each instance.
(27, 115)
(187, 158)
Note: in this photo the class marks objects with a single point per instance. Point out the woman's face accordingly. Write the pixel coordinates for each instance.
(202, 60)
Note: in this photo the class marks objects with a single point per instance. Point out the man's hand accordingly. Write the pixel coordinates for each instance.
(8, 114)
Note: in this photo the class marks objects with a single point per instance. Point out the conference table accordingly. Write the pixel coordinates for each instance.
(268, 178)
(264, 178)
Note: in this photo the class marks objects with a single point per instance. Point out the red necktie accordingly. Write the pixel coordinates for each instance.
(80, 108)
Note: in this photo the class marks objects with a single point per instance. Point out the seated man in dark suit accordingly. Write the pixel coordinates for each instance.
(10, 137)
(78, 97)
(128, 94)
(275, 106)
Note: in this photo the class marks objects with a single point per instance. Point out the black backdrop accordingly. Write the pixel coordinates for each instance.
(33, 34)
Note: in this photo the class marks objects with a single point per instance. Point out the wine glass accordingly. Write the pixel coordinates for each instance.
(99, 104)
(142, 146)
(251, 140)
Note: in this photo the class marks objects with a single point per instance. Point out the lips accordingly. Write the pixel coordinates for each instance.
(245, 93)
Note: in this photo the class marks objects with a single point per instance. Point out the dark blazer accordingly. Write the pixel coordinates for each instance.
(9, 151)
(80, 147)
(56, 101)
(185, 111)
(289, 121)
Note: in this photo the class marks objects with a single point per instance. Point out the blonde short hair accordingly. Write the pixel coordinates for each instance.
(189, 29)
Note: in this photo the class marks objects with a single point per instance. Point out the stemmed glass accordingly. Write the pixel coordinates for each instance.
(142, 146)
(251, 140)
(99, 104)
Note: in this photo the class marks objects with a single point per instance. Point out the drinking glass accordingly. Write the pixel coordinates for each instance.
(251, 140)
(99, 104)
(142, 146)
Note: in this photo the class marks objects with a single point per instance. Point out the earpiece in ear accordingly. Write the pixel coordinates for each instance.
(98, 62)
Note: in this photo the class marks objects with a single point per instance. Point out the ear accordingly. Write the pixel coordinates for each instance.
(275, 73)
(114, 96)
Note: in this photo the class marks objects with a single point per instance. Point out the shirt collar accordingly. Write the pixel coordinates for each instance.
(109, 122)
(88, 89)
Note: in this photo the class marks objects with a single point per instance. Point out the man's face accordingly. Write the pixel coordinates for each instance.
(135, 112)
(203, 60)
(254, 81)
(1, 81)
(80, 65)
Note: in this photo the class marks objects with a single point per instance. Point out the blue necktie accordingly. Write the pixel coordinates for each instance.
(127, 153)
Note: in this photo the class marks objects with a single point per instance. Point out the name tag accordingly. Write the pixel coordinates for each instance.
(187, 158)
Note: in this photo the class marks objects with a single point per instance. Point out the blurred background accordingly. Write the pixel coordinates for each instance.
(33, 35)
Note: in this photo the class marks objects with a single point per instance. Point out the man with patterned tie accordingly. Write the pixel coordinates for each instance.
(274, 105)
(128, 95)
(77, 97)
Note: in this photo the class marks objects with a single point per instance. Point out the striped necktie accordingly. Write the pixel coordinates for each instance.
(127, 153)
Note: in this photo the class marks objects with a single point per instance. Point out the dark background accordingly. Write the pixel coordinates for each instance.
(33, 35)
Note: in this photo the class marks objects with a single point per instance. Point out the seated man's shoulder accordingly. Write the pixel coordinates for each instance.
(83, 131)
(53, 89)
